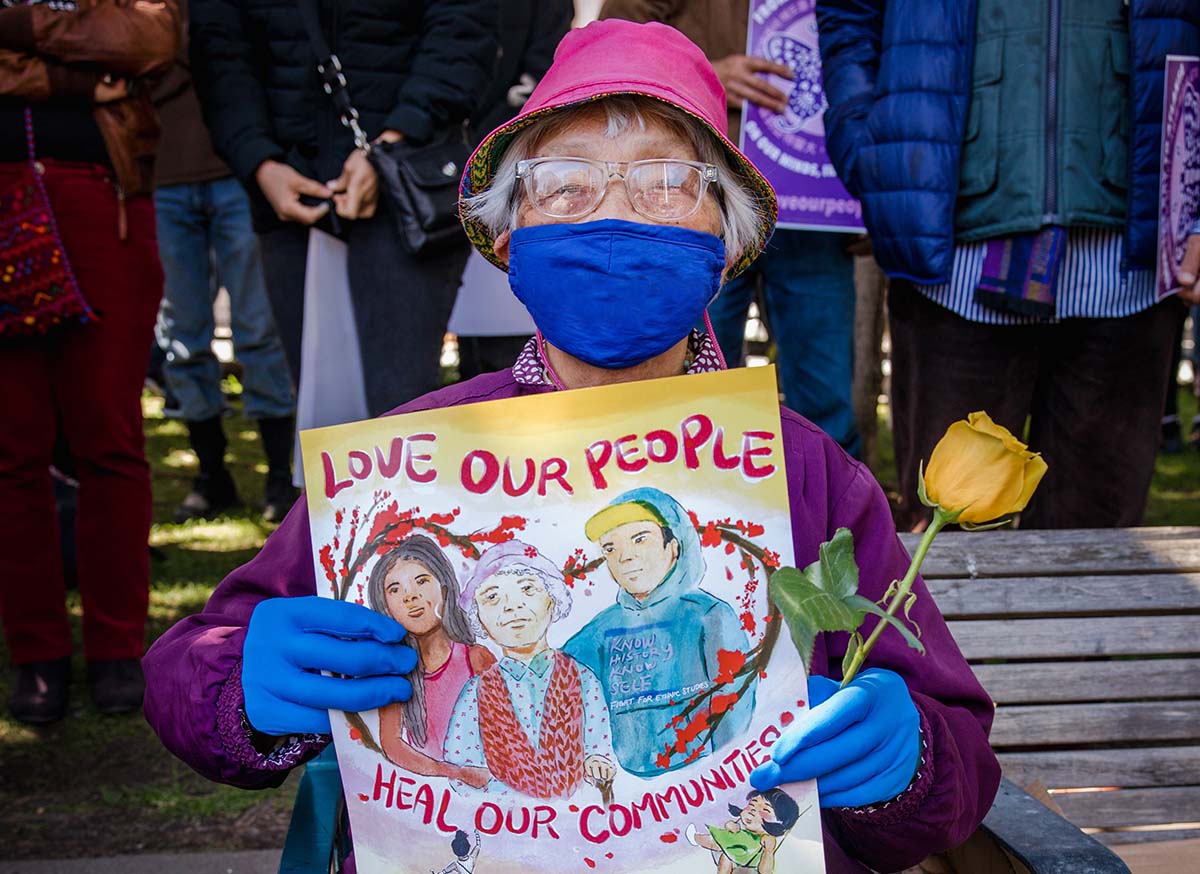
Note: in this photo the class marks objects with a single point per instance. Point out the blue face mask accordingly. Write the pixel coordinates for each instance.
(614, 293)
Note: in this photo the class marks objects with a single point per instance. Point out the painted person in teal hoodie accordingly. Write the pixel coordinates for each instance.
(656, 647)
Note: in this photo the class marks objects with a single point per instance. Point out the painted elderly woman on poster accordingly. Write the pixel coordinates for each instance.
(537, 719)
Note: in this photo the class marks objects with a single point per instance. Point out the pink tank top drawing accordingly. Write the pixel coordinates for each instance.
(441, 693)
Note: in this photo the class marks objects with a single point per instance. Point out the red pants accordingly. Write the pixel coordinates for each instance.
(85, 380)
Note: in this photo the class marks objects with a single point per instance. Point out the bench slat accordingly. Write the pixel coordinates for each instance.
(1121, 838)
(1036, 596)
(1043, 725)
(1058, 638)
(1137, 767)
(1125, 680)
(1131, 806)
(1054, 553)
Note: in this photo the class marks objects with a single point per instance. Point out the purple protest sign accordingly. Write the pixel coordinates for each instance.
(790, 148)
(1179, 182)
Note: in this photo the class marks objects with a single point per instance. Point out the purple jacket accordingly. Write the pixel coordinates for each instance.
(194, 695)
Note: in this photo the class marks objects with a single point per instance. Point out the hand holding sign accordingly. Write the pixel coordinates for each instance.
(1188, 274)
(738, 73)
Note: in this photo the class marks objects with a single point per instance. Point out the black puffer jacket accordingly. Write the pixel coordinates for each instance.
(412, 66)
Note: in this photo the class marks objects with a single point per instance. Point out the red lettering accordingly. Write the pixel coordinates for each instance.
(332, 484)
(749, 452)
(670, 446)
(624, 453)
(596, 463)
(648, 802)
(364, 464)
(585, 828)
(402, 802)
(543, 818)
(694, 440)
(442, 825)
(773, 733)
(753, 753)
(722, 461)
(524, 826)
(663, 797)
(420, 476)
(623, 824)
(511, 488)
(483, 483)
(731, 759)
(390, 466)
(554, 469)
(390, 785)
(714, 780)
(424, 800)
(496, 815)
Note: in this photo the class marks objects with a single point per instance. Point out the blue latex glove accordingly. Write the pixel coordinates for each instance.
(861, 744)
(291, 640)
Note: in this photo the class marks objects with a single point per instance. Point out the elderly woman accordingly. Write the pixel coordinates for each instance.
(537, 719)
(618, 206)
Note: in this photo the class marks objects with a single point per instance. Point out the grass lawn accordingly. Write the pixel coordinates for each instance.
(98, 785)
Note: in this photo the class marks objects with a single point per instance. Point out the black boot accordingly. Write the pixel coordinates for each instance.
(117, 685)
(39, 694)
(278, 437)
(213, 491)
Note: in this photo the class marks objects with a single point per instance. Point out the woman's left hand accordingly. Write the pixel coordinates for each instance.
(861, 744)
(356, 191)
(598, 769)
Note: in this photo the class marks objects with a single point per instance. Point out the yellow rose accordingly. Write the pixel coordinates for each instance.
(982, 470)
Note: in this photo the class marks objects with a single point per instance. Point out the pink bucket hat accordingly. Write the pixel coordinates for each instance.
(613, 57)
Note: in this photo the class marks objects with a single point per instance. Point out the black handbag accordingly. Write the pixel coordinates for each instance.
(418, 183)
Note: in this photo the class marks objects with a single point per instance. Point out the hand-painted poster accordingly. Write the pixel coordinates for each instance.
(790, 148)
(584, 576)
(1179, 182)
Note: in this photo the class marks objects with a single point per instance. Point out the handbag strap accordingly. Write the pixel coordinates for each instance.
(333, 80)
(29, 133)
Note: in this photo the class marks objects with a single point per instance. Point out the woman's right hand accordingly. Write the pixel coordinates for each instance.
(476, 778)
(291, 640)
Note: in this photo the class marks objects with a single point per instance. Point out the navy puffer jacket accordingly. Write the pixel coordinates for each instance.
(415, 66)
(898, 78)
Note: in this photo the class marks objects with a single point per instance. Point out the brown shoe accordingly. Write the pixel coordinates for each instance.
(39, 694)
(117, 685)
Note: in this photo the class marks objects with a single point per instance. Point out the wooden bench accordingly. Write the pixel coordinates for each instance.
(1089, 642)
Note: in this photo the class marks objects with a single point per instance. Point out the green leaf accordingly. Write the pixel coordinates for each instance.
(873, 608)
(922, 495)
(816, 599)
(851, 650)
(835, 570)
(986, 526)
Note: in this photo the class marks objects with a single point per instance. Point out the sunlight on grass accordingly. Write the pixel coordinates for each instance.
(218, 535)
(179, 458)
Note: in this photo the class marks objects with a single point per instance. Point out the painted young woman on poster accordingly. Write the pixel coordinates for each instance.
(415, 584)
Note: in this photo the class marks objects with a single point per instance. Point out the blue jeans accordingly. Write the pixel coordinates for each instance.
(808, 281)
(205, 240)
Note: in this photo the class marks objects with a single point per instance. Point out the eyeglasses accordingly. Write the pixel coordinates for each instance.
(662, 189)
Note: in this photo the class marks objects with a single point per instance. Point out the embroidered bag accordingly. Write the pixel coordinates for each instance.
(38, 291)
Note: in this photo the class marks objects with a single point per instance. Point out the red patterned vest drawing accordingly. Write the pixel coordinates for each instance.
(552, 769)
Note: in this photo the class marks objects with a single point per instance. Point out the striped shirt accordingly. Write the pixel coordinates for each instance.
(1091, 283)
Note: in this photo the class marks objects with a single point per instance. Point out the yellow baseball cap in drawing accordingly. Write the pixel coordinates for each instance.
(615, 515)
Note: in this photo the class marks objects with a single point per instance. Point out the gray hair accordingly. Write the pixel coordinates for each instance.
(424, 551)
(741, 213)
(554, 585)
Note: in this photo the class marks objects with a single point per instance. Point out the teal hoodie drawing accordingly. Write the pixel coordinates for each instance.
(655, 654)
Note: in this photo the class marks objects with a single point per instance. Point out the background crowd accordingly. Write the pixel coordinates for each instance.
(186, 148)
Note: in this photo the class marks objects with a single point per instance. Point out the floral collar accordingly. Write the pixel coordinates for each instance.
(530, 369)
